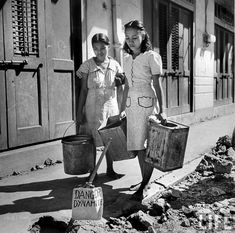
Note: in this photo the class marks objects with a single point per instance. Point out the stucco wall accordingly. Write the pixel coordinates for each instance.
(204, 56)
(98, 17)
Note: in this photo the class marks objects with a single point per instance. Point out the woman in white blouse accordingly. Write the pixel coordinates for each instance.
(143, 93)
(99, 93)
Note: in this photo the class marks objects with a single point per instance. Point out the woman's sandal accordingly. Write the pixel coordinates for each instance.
(135, 187)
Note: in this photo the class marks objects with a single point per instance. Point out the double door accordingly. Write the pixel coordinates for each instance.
(36, 72)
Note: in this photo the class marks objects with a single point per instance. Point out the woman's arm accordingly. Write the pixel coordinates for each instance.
(159, 94)
(82, 98)
(124, 96)
(119, 96)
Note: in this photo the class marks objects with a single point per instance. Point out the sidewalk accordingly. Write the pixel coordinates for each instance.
(25, 198)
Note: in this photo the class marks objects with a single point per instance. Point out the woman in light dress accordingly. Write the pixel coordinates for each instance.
(143, 95)
(100, 94)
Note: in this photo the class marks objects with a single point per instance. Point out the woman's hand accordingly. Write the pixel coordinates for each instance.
(122, 115)
(119, 79)
(162, 118)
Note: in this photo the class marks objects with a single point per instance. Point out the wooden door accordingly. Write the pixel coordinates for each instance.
(3, 122)
(223, 78)
(25, 66)
(60, 68)
(175, 45)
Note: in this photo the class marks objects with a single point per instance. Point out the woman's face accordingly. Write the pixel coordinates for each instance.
(100, 50)
(134, 39)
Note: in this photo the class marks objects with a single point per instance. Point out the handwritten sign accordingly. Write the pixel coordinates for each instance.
(87, 203)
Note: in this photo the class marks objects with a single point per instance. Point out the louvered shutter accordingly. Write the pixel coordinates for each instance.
(163, 35)
(175, 38)
(25, 27)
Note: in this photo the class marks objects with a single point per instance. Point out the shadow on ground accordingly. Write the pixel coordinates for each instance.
(59, 196)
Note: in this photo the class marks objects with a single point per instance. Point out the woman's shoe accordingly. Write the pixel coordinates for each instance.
(114, 175)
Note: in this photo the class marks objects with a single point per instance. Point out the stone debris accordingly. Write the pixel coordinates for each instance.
(48, 162)
(203, 202)
(141, 220)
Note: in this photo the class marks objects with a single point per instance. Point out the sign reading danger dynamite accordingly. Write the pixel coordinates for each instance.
(87, 203)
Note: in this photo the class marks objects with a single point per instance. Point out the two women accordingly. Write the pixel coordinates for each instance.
(141, 98)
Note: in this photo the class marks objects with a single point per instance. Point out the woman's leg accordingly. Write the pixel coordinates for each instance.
(110, 171)
(146, 171)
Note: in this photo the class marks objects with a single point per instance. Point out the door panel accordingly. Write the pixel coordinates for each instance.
(61, 71)
(3, 122)
(26, 82)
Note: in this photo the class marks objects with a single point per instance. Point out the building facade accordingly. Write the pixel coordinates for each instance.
(43, 42)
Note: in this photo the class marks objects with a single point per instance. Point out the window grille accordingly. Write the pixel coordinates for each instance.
(25, 27)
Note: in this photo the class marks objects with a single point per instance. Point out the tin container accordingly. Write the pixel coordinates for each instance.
(166, 145)
(116, 129)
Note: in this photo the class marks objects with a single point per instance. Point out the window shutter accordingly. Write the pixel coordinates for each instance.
(175, 38)
(25, 27)
(163, 35)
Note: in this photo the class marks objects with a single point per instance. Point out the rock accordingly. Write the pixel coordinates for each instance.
(48, 162)
(175, 193)
(232, 201)
(186, 223)
(225, 203)
(214, 191)
(132, 206)
(58, 161)
(188, 211)
(15, 173)
(222, 166)
(223, 141)
(232, 209)
(203, 212)
(141, 221)
(48, 223)
(35, 229)
(159, 207)
(224, 212)
(231, 154)
(33, 169)
(39, 167)
(119, 222)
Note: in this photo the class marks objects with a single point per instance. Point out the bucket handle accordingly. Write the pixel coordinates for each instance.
(69, 127)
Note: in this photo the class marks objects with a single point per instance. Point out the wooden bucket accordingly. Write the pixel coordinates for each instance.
(116, 129)
(166, 145)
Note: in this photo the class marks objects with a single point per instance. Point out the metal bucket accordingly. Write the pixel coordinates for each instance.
(79, 154)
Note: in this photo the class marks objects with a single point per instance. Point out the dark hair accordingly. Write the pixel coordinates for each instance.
(146, 43)
(100, 37)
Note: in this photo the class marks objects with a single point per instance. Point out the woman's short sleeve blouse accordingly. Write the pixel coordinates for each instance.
(155, 63)
(84, 68)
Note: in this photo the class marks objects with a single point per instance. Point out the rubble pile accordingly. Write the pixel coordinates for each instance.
(203, 201)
